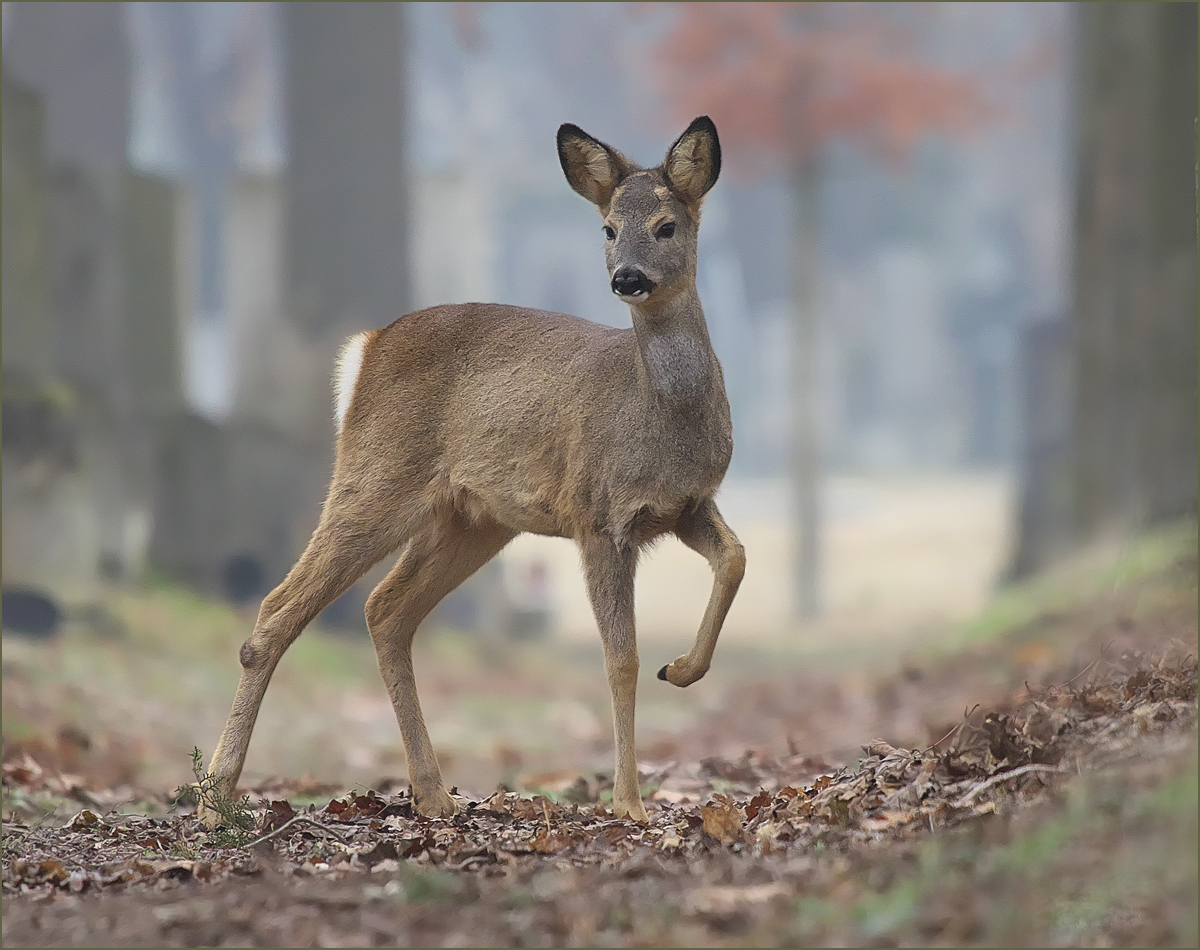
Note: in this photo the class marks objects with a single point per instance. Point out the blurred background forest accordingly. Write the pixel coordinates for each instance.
(950, 271)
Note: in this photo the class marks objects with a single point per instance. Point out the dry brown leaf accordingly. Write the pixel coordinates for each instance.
(550, 842)
(722, 820)
(52, 870)
(669, 841)
(773, 831)
(756, 804)
(277, 814)
(879, 747)
(84, 821)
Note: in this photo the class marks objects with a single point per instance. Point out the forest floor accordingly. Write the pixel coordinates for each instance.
(1027, 778)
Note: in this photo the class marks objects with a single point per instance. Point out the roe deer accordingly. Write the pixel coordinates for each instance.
(461, 426)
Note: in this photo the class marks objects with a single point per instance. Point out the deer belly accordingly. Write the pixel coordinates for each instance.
(515, 509)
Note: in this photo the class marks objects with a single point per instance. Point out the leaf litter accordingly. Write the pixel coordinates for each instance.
(729, 842)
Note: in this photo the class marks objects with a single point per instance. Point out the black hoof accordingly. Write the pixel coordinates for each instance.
(662, 674)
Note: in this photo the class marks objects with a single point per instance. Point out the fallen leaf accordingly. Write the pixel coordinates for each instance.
(52, 870)
(278, 814)
(383, 850)
(84, 821)
(757, 803)
(773, 831)
(878, 747)
(721, 820)
(550, 843)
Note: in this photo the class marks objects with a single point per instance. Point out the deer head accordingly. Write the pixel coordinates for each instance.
(651, 216)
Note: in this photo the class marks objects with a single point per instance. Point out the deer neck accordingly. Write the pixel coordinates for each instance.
(676, 359)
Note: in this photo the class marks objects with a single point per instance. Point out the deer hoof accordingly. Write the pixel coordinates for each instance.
(437, 805)
(208, 817)
(634, 811)
(679, 674)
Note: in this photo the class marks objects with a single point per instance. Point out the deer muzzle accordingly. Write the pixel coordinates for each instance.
(631, 283)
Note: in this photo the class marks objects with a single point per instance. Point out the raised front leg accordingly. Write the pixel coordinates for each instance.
(705, 531)
(609, 570)
(435, 562)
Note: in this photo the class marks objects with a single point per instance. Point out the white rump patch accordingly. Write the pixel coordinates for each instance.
(345, 375)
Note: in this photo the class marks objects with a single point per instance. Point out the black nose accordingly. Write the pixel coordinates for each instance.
(629, 281)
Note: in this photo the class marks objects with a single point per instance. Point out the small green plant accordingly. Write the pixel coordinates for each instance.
(237, 821)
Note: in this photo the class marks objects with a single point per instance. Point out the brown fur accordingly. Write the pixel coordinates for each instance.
(472, 423)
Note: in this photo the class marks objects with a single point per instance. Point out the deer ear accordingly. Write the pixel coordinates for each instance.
(694, 161)
(592, 168)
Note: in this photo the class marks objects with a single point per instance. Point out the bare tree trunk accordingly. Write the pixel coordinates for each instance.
(805, 436)
(1135, 431)
(1132, 453)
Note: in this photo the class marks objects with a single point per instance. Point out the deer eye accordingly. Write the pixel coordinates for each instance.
(666, 231)
(609, 233)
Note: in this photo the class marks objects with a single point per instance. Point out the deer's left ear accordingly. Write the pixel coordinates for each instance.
(694, 161)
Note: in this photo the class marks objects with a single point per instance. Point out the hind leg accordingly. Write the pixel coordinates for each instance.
(338, 554)
(435, 562)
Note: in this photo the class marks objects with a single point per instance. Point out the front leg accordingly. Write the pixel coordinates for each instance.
(705, 531)
(609, 567)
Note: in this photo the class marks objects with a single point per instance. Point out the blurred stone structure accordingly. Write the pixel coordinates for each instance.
(48, 528)
(97, 321)
(28, 337)
(108, 466)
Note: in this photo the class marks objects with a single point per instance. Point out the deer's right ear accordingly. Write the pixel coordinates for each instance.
(592, 168)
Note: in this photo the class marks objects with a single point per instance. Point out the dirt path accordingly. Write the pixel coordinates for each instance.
(857, 808)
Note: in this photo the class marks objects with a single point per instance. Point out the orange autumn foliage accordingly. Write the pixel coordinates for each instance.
(781, 79)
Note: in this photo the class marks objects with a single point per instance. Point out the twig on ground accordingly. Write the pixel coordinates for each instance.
(953, 729)
(997, 779)
(1081, 672)
(37, 824)
(287, 824)
(467, 862)
(967, 713)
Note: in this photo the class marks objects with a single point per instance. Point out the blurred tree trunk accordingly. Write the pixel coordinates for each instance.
(345, 253)
(1132, 457)
(1135, 277)
(805, 435)
(347, 185)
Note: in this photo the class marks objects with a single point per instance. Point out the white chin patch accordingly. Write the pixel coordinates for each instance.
(633, 298)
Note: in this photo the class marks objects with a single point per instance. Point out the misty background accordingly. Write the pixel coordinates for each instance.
(202, 200)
